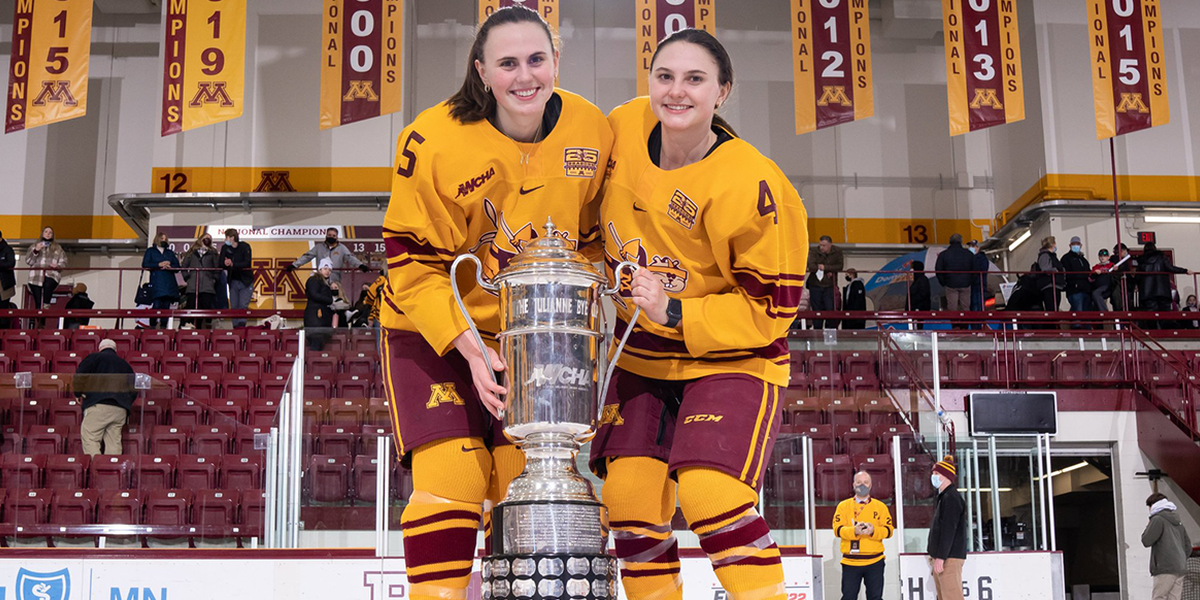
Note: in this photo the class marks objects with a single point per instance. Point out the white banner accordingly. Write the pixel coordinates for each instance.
(244, 576)
(277, 232)
(990, 576)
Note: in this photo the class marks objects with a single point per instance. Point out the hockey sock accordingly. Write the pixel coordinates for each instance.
(641, 501)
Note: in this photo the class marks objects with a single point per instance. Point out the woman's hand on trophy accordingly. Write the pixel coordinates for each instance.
(647, 291)
(486, 388)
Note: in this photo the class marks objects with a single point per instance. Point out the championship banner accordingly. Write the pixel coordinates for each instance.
(204, 63)
(984, 84)
(360, 73)
(1129, 79)
(48, 71)
(831, 63)
(547, 8)
(657, 19)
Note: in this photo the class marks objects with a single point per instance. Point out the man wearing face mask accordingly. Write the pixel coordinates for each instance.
(947, 546)
(1079, 288)
(821, 278)
(862, 523)
(854, 297)
(339, 256)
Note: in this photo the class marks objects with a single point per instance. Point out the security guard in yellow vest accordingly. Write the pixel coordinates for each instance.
(862, 523)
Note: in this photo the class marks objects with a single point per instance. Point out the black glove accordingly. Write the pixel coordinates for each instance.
(363, 267)
(289, 268)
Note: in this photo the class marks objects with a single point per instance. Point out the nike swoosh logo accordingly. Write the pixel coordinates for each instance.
(638, 208)
(466, 449)
(526, 191)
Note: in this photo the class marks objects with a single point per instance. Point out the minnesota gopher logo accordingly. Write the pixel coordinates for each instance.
(443, 393)
(275, 181)
(210, 92)
(668, 269)
(833, 94)
(504, 242)
(611, 415)
(985, 97)
(1132, 101)
(55, 91)
(361, 90)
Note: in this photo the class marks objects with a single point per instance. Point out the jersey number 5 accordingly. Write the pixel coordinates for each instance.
(766, 202)
(407, 169)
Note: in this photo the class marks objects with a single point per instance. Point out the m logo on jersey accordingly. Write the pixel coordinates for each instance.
(467, 187)
(668, 269)
(275, 181)
(833, 94)
(611, 415)
(1132, 101)
(985, 97)
(210, 92)
(55, 91)
(361, 90)
(682, 210)
(443, 393)
(581, 162)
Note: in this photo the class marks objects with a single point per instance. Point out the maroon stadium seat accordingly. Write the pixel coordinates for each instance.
(135, 440)
(856, 439)
(28, 411)
(323, 363)
(289, 342)
(800, 409)
(1070, 366)
(22, 471)
(187, 412)
(369, 438)
(112, 472)
(212, 365)
(156, 341)
(822, 363)
(53, 341)
(228, 412)
(177, 363)
(172, 440)
(155, 472)
(148, 412)
(143, 363)
(87, 341)
(66, 471)
(1035, 366)
(254, 511)
(125, 339)
(337, 441)
(833, 478)
(66, 362)
(32, 362)
(239, 387)
(214, 508)
(281, 363)
(360, 363)
(19, 342)
(860, 364)
(914, 472)
(241, 472)
(1106, 366)
(355, 386)
(822, 438)
(329, 478)
(967, 368)
(364, 342)
(878, 411)
(46, 439)
(348, 411)
(167, 507)
(194, 341)
(366, 469)
(226, 342)
(908, 441)
(213, 439)
(316, 412)
(840, 411)
(261, 341)
(202, 388)
(261, 412)
(27, 507)
(74, 507)
(51, 386)
(198, 472)
(378, 412)
(271, 387)
(250, 365)
(318, 387)
(119, 508)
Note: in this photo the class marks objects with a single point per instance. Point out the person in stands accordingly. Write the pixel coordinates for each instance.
(1124, 264)
(339, 256)
(854, 297)
(918, 289)
(824, 263)
(953, 269)
(1154, 281)
(104, 384)
(8, 277)
(201, 267)
(163, 265)
(979, 287)
(79, 300)
(46, 258)
(1078, 286)
(319, 291)
(1050, 274)
(235, 259)
(1101, 281)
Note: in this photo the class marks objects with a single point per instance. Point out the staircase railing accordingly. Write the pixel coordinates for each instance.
(922, 398)
(1173, 387)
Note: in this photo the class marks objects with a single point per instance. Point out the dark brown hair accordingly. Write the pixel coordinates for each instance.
(705, 40)
(472, 102)
(231, 232)
(1155, 497)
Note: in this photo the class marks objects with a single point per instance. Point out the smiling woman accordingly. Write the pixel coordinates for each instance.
(479, 173)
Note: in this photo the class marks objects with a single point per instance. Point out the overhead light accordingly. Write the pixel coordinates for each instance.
(1020, 240)
(1171, 219)
(1078, 465)
(987, 489)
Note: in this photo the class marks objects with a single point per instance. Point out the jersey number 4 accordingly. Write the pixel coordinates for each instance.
(407, 169)
(766, 202)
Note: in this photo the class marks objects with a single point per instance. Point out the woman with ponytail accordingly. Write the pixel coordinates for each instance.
(479, 173)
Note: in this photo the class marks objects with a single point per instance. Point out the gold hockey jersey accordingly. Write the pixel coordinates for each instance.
(466, 187)
(728, 236)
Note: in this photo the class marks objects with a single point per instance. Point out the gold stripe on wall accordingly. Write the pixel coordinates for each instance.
(66, 227)
(1132, 188)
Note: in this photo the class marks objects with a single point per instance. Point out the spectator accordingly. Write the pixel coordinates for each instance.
(953, 269)
(979, 286)
(1154, 280)
(318, 314)
(821, 279)
(854, 297)
(201, 267)
(947, 546)
(104, 384)
(1169, 547)
(338, 255)
(1025, 295)
(1191, 306)
(1123, 265)
(235, 259)
(163, 265)
(79, 299)
(1101, 281)
(1078, 285)
(45, 258)
(918, 289)
(8, 278)
(1050, 278)
(862, 523)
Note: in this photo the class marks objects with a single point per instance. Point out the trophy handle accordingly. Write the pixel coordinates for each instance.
(637, 312)
(462, 307)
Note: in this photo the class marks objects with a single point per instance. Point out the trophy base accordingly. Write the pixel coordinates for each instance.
(549, 577)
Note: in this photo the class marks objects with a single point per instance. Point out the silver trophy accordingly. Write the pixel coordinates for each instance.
(550, 534)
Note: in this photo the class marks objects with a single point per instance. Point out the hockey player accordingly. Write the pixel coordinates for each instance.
(721, 238)
(479, 173)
